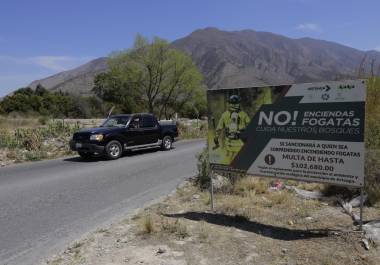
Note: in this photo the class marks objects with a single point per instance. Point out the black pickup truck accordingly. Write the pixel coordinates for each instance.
(124, 132)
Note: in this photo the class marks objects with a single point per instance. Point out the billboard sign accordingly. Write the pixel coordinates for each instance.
(307, 132)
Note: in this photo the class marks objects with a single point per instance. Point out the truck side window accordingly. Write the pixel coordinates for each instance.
(148, 121)
(135, 122)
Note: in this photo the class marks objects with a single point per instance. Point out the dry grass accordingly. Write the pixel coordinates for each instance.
(154, 224)
(11, 123)
(192, 130)
(147, 224)
(55, 261)
(229, 204)
(310, 186)
(306, 208)
(248, 185)
(203, 231)
(283, 198)
(372, 187)
(243, 230)
(174, 227)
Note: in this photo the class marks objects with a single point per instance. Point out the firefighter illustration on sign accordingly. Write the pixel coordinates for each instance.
(230, 127)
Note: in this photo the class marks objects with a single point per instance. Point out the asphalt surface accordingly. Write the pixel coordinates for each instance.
(46, 205)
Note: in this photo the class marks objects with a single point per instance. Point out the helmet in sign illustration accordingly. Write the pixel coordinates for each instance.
(234, 103)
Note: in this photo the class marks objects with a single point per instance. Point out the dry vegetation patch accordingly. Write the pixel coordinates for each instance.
(251, 225)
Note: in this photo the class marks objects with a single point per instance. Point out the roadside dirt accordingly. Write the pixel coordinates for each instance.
(251, 226)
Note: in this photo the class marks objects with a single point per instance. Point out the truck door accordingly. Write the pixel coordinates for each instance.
(151, 129)
(134, 132)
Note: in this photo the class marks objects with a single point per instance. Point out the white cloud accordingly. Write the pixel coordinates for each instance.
(310, 27)
(57, 63)
(53, 63)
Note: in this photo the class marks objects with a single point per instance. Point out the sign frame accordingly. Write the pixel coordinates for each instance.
(332, 97)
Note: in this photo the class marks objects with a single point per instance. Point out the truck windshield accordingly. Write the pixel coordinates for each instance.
(116, 122)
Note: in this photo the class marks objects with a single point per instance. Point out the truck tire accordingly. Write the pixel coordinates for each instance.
(167, 143)
(113, 150)
(85, 155)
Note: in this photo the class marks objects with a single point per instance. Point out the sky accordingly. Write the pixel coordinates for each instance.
(42, 37)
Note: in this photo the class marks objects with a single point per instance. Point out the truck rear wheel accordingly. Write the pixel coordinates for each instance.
(113, 150)
(167, 143)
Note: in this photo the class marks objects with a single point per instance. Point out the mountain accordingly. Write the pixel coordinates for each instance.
(76, 81)
(242, 58)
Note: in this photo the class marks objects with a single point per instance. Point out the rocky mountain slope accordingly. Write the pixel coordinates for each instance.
(242, 58)
(77, 81)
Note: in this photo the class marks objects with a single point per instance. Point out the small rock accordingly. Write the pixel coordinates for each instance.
(196, 196)
(179, 242)
(284, 250)
(219, 182)
(161, 251)
(355, 202)
(372, 231)
(290, 222)
(309, 218)
(365, 243)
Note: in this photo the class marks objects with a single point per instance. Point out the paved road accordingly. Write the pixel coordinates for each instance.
(45, 205)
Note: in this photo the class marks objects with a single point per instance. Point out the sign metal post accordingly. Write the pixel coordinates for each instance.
(361, 208)
(212, 191)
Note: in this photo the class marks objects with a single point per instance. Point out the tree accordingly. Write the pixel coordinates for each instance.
(111, 88)
(151, 76)
(40, 90)
(56, 104)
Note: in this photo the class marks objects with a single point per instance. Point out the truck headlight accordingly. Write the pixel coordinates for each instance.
(96, 137)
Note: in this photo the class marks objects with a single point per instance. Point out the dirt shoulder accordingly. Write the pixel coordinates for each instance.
(251, 225)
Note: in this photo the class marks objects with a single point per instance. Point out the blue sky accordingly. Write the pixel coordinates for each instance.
(42, 37)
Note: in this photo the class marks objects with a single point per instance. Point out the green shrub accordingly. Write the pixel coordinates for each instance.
(203, 165)
(43, 120)
(372, 174)
(372, 130)
(372, 137)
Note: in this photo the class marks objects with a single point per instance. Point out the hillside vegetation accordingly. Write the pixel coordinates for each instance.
(42, 102)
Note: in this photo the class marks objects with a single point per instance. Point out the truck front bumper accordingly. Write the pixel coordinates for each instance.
(86, 147)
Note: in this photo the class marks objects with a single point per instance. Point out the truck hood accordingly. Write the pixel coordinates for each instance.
(100, 130)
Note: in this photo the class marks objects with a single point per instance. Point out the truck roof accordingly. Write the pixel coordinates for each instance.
(131, 114)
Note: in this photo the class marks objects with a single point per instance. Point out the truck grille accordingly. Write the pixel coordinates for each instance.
(82, 137)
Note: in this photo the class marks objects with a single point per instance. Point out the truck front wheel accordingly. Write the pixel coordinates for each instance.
(113, 150)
